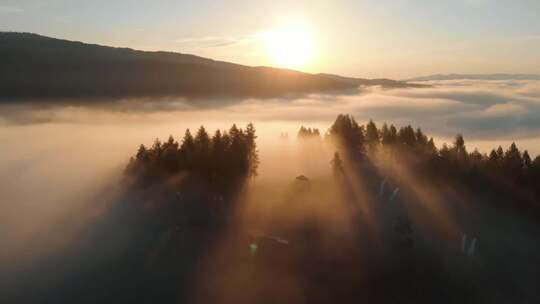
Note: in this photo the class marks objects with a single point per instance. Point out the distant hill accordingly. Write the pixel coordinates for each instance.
(477, 77)
(387, 83)
(38, 67)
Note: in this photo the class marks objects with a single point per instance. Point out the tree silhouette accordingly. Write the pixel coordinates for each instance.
(527, 162)
(421, 139)
(306, 133)
(406, 136)
(385, 135)
(213, 164)
(372, 136)
(504, 172)
(187, 150)
(513, 162)
(253, 156)
(393, 135)
(348, 136)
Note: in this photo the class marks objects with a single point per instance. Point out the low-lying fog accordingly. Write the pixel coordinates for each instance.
(56, 161)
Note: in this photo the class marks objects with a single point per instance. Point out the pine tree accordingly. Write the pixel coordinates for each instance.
(217, 143)
(500, 153)
(393, 135)
(476, 158)
(445, 153)
(142, 154)
(156, 147)
(217, 155)
(169, 156)
(421, 139)
(302, 132)
(385, 135)
(187, 142)
(187, 150)
(407, 136)
(431, 148)
(349, 136)
(493, 157)
(238, 152)
(226, 139)
(372, 136)
(253, 157)
(170, 143)
(202, 141)
(513, 162)
(527, 162)
(460, 151)
(202, 153)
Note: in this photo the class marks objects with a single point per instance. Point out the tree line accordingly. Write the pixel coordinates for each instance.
(304, 132)
(214, 162)
(514, 169)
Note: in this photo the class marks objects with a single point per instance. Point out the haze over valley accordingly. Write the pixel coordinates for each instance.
(360, 152)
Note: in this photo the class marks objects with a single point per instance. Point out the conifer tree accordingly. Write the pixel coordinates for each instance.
(393, 135)
(385, 135)
(431, 148)
(460, 151)
(252, 152)
(349, 136)
(142, 153)
(372, 136)
(513, 162)
(527, 162)
(421, 139)
(187, 150)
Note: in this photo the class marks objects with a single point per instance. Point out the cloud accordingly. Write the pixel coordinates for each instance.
(9, 9)
(216, 41)
(92, 141)
(482, 110)
(504, 110)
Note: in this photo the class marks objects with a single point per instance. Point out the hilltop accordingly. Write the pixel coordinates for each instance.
(38, 67)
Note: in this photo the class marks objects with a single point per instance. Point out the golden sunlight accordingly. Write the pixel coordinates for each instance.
(290, 46)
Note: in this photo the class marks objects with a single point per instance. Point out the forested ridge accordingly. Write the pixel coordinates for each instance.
(212, 167)
(508, 172)
(35, 67)
(214, 163)
(225, 155)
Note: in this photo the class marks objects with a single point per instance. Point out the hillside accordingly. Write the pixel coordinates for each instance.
(37, 67)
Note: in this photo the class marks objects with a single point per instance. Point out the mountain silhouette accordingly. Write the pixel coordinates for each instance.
(35, 67)
(498, 76)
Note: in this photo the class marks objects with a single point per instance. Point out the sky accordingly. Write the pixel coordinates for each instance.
(363, 38)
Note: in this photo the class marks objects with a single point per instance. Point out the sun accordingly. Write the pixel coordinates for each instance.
(290, 46)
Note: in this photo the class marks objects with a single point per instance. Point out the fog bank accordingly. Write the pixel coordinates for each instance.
(58, 162)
